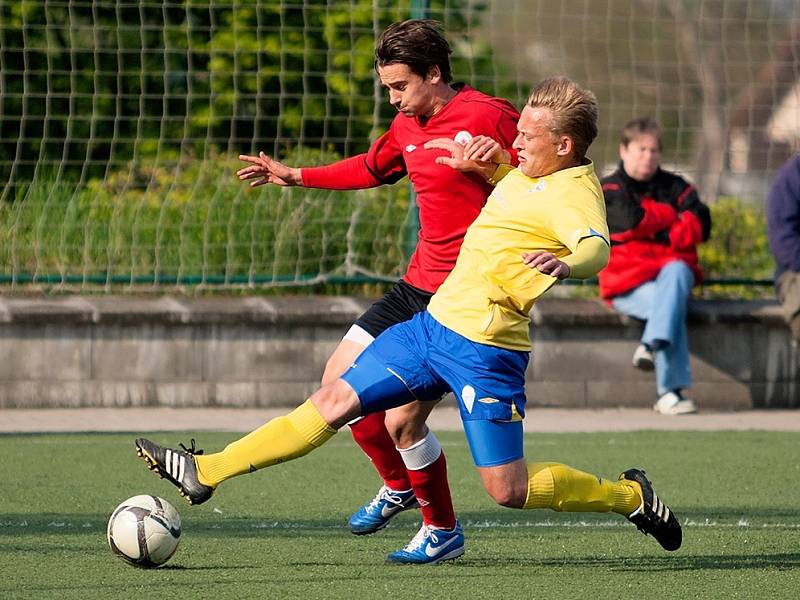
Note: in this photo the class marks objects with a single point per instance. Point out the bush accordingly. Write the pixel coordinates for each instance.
(737, 249)
(194, 221)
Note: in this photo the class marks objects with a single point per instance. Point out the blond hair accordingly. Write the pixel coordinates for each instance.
(574, 110)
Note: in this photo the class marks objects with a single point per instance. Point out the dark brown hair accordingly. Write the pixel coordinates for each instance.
(417, 43)
(641, 126)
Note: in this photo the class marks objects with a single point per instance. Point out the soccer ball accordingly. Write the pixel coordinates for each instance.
(144, 531)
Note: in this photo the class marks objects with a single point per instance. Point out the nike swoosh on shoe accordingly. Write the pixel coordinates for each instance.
(388, 510)
(432, 551)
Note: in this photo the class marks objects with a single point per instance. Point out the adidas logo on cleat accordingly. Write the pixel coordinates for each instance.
(654, 517)
(176, 466)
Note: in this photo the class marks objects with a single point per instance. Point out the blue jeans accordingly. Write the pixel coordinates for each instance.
(662, 303)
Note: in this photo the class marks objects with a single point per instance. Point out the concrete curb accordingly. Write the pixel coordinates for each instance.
(442, 419)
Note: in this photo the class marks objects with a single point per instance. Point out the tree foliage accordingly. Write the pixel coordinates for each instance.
(89, 86)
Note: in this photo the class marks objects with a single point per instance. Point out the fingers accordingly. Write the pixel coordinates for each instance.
(546, 263)
(528, 257)
(481, 148)
(251, 159)
(453, 163)
(455, 150)
(249, 173)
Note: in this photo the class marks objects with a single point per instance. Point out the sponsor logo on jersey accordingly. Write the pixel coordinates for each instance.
(462, 138)
(499, 197)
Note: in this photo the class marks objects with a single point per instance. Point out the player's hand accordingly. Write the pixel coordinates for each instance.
(456, 160)
(486, 149)
(546, 263)
(264, 169)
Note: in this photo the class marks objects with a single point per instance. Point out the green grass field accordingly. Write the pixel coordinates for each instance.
(282, 533)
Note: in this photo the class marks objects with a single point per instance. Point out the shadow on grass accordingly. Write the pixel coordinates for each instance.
(201, 522)
(667, 562)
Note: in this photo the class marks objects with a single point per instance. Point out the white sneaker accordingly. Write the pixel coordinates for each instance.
(673, 403)
(643, 358)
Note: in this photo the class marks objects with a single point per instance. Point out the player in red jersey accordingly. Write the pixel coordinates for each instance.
(412, 61)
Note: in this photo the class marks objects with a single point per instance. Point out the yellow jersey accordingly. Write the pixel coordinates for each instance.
(488, 296)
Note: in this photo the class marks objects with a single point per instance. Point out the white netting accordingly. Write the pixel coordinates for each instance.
(120, 121)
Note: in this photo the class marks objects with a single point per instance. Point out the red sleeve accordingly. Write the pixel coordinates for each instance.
(507, 133)
(348, 174)
(686, 232)
(657, 217)
(382, 163)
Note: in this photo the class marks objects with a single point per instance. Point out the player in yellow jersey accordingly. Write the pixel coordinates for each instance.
(545, 221)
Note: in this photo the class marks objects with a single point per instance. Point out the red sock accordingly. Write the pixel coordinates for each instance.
(371, 435)
(433, 494)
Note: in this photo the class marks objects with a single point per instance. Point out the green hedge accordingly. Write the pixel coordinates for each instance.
(195, 222)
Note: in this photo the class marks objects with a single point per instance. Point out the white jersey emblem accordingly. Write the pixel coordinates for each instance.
(410, 148)
(462, 138)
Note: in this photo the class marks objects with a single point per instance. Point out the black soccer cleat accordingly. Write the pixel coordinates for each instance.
(654, 517)
(176, 466)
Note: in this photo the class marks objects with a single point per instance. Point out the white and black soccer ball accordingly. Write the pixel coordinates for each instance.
(144, 531)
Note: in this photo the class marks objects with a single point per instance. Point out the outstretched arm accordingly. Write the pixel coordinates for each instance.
(381, 164)
(263, 170)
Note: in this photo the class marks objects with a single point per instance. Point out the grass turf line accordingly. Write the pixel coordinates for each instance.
(282, 533)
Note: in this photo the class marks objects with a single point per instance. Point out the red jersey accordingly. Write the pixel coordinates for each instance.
(448, 200)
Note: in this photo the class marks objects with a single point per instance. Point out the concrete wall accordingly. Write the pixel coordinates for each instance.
(256, 352)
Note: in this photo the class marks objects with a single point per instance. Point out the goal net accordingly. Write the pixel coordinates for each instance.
(121, 122)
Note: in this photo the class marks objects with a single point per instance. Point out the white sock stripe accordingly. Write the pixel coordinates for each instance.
(422, 454)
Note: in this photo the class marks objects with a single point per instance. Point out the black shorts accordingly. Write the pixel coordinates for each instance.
(399, 304)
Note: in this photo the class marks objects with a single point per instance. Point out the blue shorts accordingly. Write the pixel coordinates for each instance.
(421, 359)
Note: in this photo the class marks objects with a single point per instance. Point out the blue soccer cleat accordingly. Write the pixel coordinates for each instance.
(385, 505)
(431, 546)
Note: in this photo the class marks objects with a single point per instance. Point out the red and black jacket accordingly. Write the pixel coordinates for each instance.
(651, 223)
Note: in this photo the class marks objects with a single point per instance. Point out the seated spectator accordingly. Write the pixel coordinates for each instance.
(656, 220)
(783, 227)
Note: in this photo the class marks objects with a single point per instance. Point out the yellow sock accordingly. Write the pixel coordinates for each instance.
(562, 488)
(281, 439)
